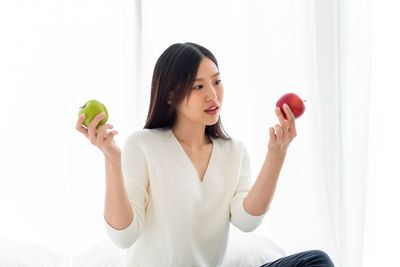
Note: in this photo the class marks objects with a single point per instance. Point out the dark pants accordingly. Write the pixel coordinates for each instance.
(315, 258)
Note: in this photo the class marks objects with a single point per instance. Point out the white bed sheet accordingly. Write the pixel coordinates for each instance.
(244, 250)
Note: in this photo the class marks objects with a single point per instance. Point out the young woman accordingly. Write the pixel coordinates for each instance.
(179, 182)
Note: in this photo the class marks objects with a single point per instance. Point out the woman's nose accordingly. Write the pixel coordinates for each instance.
(212, 92)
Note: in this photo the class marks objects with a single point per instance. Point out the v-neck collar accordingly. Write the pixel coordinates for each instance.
(183, 152)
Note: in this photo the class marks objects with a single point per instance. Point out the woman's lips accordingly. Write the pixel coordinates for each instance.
(212, 112)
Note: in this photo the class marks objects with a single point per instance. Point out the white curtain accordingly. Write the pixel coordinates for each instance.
(55, 56)
(337, 188)
(382, 231)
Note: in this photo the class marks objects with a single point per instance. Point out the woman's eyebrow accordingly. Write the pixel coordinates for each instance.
(199, 79)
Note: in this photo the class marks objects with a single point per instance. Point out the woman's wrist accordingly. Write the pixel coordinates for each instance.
(113, 160)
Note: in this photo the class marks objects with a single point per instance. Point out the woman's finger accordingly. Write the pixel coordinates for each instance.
(279, 132)
(101, 133)
(272, 135)
(79, 125)
(290, 118)
(282, 121)
(110, 137)
(92, 128)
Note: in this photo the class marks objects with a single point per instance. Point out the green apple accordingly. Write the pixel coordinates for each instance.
(91, 109)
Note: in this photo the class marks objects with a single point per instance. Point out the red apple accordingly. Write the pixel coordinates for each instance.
(294, 102)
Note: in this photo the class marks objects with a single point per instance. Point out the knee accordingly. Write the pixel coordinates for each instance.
(323, 257)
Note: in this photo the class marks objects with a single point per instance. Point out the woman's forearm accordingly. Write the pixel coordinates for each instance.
(117, 209)
(259, 198)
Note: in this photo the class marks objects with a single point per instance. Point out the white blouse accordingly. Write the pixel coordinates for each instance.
(178, 219)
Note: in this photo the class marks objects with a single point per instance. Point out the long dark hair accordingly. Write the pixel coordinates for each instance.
(175, 71)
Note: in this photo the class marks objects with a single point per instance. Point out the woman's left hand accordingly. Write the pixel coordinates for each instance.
(285, 132)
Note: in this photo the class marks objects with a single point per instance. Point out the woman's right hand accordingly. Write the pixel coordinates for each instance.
(99, 137)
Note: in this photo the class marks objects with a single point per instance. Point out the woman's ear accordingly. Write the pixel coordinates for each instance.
(170, 97)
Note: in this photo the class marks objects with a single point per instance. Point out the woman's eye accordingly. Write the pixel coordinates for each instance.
(201, 86)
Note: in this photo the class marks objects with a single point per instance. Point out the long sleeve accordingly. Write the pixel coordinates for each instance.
(239, 216)
(136, 177)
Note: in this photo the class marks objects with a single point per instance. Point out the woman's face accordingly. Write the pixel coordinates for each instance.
(207, 91)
